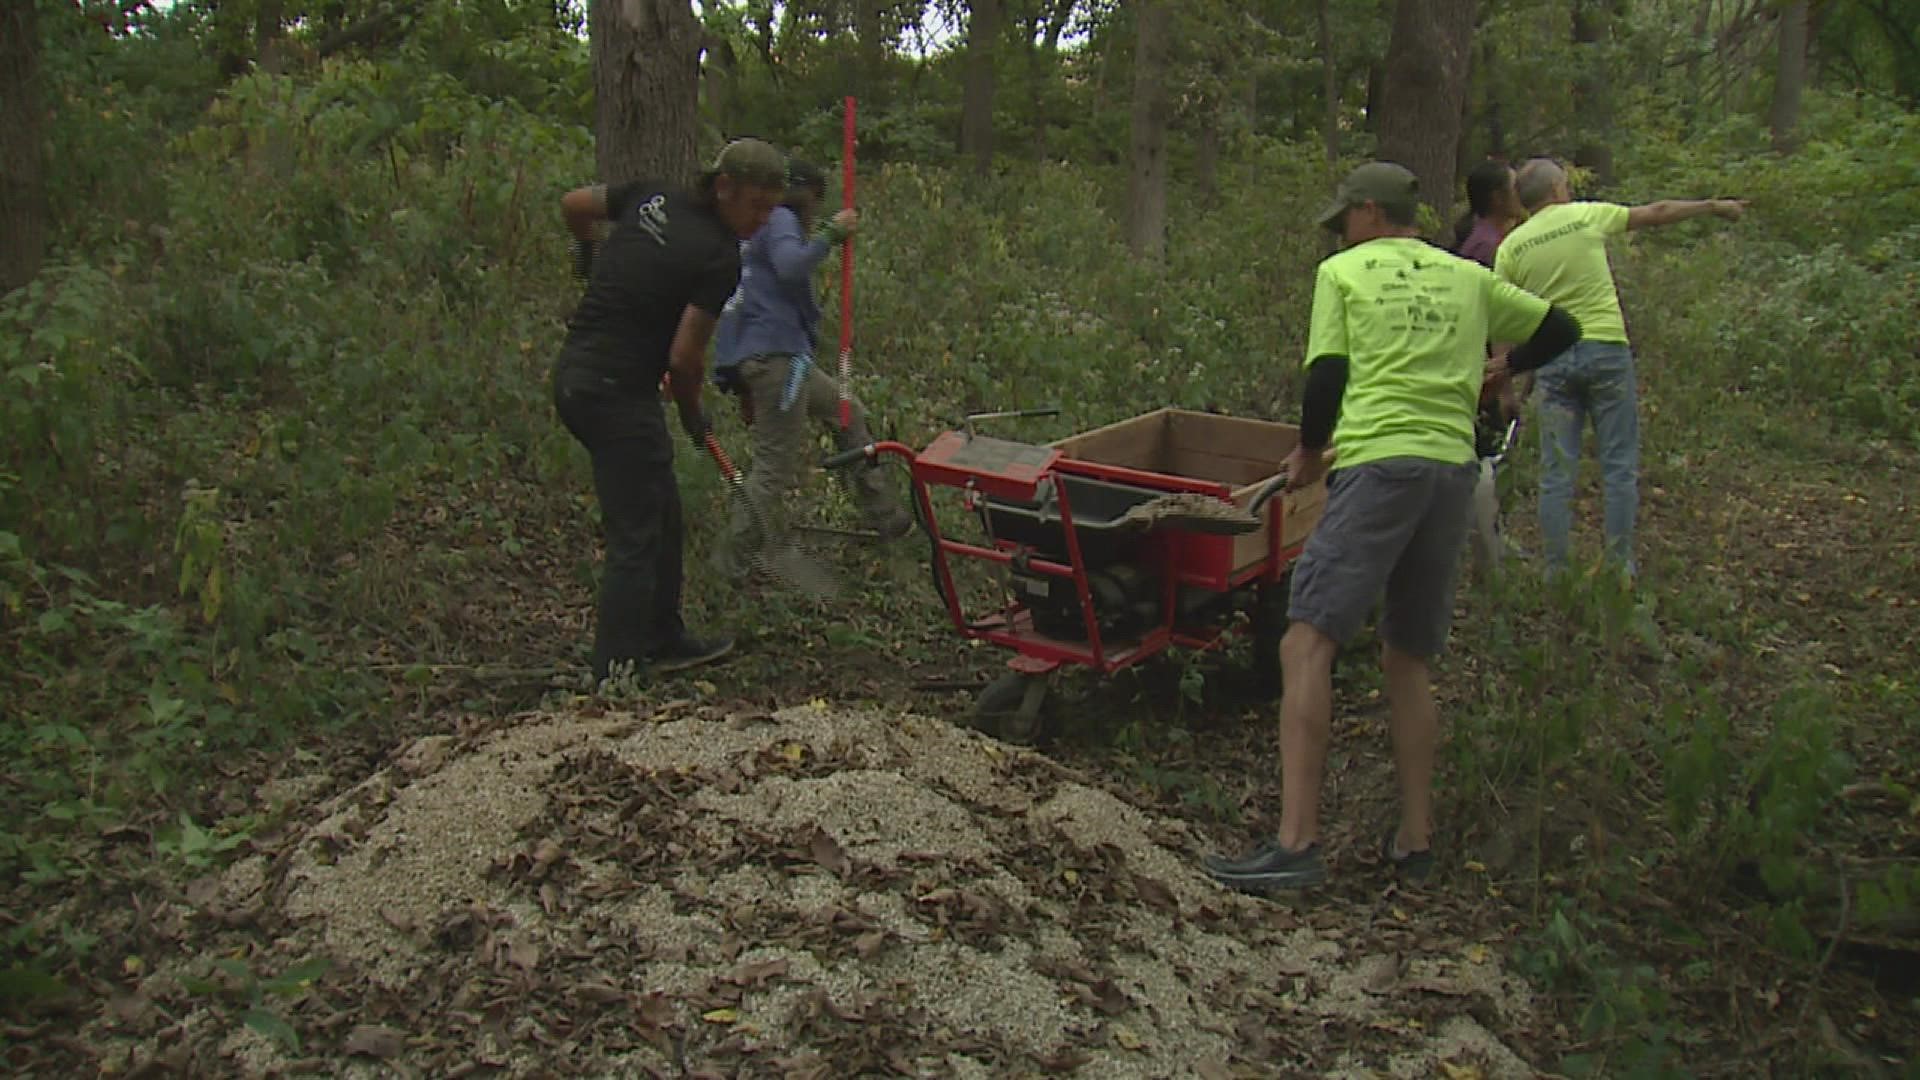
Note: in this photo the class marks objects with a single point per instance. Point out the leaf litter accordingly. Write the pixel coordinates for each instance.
(830, 893)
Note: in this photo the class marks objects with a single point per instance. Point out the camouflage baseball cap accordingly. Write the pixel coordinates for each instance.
(753, 161)
(1380, 182)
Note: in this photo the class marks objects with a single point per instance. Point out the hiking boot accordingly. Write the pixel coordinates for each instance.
(689, 652)
(1412, 866)
(1270, 868)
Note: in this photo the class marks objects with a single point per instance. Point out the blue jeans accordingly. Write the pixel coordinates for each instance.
(1594, 379)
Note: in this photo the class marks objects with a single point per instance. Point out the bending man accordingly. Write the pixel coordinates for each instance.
(654, 292)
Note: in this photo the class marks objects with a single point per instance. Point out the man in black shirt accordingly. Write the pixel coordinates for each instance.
(654, 290)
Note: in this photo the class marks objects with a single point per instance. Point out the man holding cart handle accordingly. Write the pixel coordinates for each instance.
(1395, 361)
(654, 290)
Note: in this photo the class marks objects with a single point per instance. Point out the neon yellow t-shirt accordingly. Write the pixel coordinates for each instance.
(1413, 322)
(1561, 253)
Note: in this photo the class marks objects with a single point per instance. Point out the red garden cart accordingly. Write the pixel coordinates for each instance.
(1118, 542)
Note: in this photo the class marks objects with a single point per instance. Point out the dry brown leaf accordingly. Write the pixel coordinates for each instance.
(374, 1040)
(1155, 893)
(869, 943)
(1211, 1069)
(599, 991)
(656, 1011)
(523, 954)
(826, 851)
(757, 974)
(1106, 997)
(1383, 973)
(130, 1008)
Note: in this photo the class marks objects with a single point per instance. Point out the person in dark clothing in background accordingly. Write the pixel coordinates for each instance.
(764, 349)
(654, 290)
(1493, 211)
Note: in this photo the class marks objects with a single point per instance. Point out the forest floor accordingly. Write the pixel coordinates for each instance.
(800, 862)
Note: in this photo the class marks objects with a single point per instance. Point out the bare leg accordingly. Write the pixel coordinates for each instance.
(1415, 721)
(1306, 722)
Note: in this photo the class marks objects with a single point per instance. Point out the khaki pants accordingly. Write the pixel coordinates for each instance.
(782, 455)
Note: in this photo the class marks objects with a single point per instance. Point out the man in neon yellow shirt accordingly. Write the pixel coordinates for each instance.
(1395, 358)
(1560, 252)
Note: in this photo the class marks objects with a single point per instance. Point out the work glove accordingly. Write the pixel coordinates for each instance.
(582, 252)
(833, 231)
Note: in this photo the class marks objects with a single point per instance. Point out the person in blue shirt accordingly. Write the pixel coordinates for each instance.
(770, 327)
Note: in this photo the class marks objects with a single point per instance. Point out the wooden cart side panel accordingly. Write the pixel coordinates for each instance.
(1233, 436)
(1229, 470)
(1136, 443)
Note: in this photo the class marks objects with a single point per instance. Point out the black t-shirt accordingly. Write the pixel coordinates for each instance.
(664, 253)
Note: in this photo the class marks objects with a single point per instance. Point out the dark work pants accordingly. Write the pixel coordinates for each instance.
(621, 423)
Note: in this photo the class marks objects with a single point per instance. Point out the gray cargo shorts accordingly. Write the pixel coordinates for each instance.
(1396, 525)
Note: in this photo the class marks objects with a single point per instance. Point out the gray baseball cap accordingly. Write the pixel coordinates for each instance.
(1380, 182)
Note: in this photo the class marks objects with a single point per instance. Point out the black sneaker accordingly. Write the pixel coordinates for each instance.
(1413, 866)
(1270, 868)
(689, 652)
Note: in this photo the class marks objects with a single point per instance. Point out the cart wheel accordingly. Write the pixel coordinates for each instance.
(1010, 707)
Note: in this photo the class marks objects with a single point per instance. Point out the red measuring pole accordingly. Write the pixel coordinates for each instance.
(846, 277)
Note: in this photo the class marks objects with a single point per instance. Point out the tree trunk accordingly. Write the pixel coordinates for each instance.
(1206, 158)
(1147, 175)
(976, 110)
(1591, 100)
(646, 81)
(873, 53)
(1496, 122)
(1790, 77)
(1330, 82)
(23, 185)
(268, 55)
(1422, 88)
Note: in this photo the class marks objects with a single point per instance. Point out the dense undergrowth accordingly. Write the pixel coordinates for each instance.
(275, 439)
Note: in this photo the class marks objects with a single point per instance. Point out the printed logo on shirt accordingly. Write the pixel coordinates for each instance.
(652, 219)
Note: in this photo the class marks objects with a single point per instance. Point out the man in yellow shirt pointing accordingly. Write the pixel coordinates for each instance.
(1560, 254)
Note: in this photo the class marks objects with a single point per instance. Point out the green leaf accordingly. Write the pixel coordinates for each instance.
(296, 979)
(235, 968)
(27, 984)
(270, 1025)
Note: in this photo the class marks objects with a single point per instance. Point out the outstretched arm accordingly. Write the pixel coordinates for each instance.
(1670, 211)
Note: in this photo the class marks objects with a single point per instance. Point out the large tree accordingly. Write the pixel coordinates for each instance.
(976, 111)
(1422, 85)
(1147, 168)
(1790, 74)
(646, 80)
(23, 189)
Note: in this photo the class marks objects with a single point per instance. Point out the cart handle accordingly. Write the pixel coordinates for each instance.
(1274, 487)
(846, 457)
(1009, 414)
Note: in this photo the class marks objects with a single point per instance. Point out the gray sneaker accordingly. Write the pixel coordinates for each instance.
(1270, 869)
